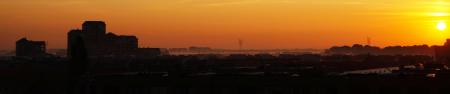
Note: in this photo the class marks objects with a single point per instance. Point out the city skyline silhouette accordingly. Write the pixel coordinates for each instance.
(217, 24)
(240, 40)
(224, 47)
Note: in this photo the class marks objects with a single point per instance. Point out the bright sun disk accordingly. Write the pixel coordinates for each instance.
(441, 26)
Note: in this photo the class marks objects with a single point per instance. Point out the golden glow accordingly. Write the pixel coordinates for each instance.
(439, 14)
(218, 23)
(441, 26)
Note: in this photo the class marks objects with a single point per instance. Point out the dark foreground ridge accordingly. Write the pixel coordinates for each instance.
(104, 63)
(223, 75)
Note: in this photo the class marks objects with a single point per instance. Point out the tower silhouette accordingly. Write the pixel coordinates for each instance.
(241, 43)
(78, 63)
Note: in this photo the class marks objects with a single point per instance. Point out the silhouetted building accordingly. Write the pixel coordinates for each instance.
(358, 49)
(443, 52)
(28, 48)
(78, 65)
(99, 43)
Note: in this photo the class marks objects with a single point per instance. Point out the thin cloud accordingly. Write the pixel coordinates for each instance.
(233, 3)
(310, 2)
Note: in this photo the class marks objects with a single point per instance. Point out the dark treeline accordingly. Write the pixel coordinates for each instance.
(231, 64)
(357, 49)
(107, 75)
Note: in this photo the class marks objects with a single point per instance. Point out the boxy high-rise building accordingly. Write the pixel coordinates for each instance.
(99, 43)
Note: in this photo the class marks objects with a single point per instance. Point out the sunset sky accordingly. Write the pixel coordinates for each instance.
(261, 24)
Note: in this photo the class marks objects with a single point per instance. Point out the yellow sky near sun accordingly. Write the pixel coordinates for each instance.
(262, 24)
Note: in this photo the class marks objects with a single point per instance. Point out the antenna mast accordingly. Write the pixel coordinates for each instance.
(241, 43)
(369, 41)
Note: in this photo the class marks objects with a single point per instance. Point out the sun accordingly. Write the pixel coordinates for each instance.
(441, 26)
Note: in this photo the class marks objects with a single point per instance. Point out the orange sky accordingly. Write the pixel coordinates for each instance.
(262, 24)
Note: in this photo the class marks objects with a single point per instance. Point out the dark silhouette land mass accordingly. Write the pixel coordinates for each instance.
(105, 63)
